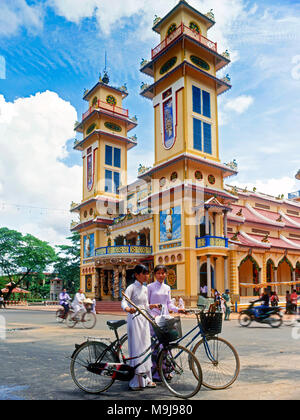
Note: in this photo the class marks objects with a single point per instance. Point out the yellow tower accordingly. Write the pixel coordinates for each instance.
(187, 176)
(104, 146)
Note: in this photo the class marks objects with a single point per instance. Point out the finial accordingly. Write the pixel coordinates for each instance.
(297, 176)
(105, 78)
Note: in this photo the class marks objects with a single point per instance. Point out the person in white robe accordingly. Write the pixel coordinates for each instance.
(77, 303)
(138, 328)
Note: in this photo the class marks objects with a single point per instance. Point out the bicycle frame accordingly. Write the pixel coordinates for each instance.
(199, 333)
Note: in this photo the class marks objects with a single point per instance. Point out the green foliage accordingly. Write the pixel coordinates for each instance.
(67, 266)
(23, 255)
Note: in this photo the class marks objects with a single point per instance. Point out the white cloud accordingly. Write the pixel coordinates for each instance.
(271, 186)
(33, 136)
(239, 104)
(113, 18)
(17, 14)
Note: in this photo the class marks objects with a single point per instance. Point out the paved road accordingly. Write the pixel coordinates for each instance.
(34, 363)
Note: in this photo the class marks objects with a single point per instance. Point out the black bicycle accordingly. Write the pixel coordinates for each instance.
(95, 365)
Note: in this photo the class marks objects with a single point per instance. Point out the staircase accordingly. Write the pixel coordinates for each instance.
(109, 307)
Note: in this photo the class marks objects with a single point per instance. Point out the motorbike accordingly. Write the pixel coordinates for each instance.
(270, 316)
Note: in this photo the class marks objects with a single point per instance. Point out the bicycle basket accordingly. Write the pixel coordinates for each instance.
(170, 331)
(211, 322)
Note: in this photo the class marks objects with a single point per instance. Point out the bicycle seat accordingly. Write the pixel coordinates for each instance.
(114, 325)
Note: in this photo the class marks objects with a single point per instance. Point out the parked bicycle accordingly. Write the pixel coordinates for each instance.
(95, 365)
(218, 358)
(86, 317)
(270, 316)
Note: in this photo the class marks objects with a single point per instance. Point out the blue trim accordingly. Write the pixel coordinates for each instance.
(208, 241)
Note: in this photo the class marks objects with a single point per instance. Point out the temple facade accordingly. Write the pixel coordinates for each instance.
(179, 212)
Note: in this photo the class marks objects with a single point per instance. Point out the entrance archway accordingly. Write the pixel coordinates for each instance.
(249, 274)
(203, 276)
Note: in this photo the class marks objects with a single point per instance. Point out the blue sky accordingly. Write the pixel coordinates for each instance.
(52, 50)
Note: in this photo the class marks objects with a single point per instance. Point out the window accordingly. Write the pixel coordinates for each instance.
(112, 156)
(112, 182)
(196, 100)
(202, 130)
(207, 138)
(197, 134)
(108, 181)
(108, 155)
(201, 102)
(116, 182)
(206, 104)
(117, 157)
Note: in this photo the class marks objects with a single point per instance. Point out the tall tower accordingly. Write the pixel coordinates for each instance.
(184, 92)
(104, 146)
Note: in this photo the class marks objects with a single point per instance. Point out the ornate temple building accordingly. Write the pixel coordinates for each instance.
(179, 212)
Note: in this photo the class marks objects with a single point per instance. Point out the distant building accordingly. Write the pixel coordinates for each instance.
(56, 287)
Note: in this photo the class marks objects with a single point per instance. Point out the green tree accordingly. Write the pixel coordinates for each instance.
(67, 266)
(22, 255)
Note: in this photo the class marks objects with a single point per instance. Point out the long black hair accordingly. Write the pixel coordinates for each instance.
(141, 268)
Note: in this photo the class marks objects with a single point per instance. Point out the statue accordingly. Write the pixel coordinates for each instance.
(143, 62)
(156, 20)
(297, 176)
(169, 224)
(226, 54)
(233, 164)
(210, 15)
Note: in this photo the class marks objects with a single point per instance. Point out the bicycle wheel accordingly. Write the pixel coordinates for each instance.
(275, 320)
(89, 320)
(219, 362)
(244, 320)
(70, 321)
(89, 352)
(60, 315)
(180, 371)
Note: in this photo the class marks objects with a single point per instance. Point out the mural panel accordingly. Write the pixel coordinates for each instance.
(170, 224)
(89, 245)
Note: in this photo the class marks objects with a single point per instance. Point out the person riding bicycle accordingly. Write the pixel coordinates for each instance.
(265, 298)
(64, 299)
(78, 303)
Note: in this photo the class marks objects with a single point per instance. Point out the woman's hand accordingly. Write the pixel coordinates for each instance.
(131, 310)
(155, 305)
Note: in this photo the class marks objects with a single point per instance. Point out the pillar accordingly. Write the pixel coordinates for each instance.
(275, 279)
(225, 223)
(226, 282)
(206, 222)
(116, 283)
(234, 274)
(208, 265)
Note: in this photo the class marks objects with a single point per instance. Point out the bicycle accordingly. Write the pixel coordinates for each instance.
(87, 317)
(61, 314)
(95, 366)
(218, 358)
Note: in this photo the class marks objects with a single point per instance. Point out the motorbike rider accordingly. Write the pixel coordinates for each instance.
(265, 298)
(64, 299)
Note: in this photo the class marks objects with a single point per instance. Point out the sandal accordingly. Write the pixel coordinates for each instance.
(151, 385)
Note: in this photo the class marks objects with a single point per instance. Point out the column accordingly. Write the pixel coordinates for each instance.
(124, 278)
(214, 228)
(115, 287)
(294, 277)
(225, 223)
(275, 279)
(208, 264)
(226, 283)
(234, 274)
(206, 222)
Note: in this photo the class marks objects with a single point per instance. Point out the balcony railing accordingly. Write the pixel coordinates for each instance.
(211, 241)
(104, 105)
(179, 31)
(123, 249)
